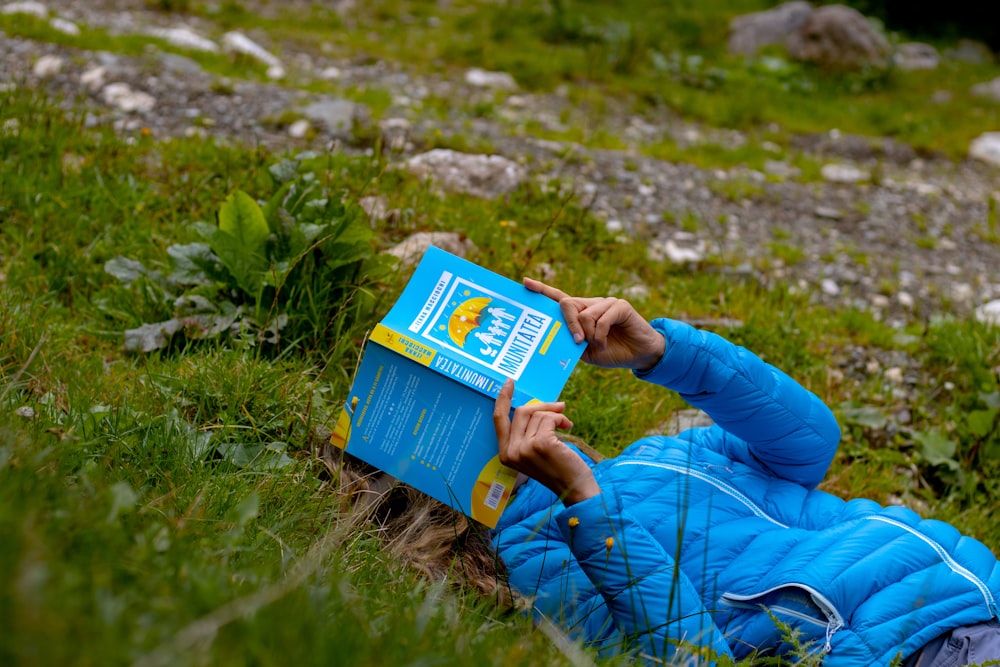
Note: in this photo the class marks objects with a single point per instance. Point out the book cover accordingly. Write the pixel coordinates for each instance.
(421, 405)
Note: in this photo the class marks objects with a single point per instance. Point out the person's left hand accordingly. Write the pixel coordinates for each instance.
(529, 444)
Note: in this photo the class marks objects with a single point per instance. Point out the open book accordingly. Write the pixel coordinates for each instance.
(421, 406)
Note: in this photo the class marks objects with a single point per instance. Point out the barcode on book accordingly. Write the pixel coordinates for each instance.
(494, 496)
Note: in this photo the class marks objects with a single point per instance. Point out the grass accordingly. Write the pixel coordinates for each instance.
(171, 508)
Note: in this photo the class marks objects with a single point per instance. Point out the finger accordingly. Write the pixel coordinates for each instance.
(501, 413)
(546, 290)
(523, 414)
(569, 306)
(544, 424)
(592, 316)
(618, 313)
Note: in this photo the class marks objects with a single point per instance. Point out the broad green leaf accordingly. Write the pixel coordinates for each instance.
(194, 263)
(866, 416)
(241, 218)
(124, 269)
(981, 421)
(937, 448)
(991, 399)
(246, 267)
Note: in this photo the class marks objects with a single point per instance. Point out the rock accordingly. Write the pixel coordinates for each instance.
(990, 89)
(64, 26)
(986, 147)
(179, 64)
(842, 173)
(829, 287)
(25, 412)
(906, 300)
(989, 313)
(828, 212)
(395, 133)
(185, 39)
(299, 129)
(338, 116)
(412, 249)
(971, 51)
(47, 66)
(485, 176)
(94, 77)
(484, 79)
(331, 73)
(682, 249)
(237, 42)
(749, 33)
(35, 9)
(377, 208)
(123, 97)
(837, 36)
(916, 56)
(686, 419)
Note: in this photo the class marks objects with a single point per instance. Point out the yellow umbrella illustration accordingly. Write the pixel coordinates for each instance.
(466, 318)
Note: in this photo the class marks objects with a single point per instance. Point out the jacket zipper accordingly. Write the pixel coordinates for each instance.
(719, 484)
(955, 567)
(834, 619)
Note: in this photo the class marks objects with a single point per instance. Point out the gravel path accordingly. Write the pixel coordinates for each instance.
(906, 243)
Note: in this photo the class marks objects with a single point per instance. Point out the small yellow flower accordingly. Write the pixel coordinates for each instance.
(609, 543)
(146, 132)
(573, 522)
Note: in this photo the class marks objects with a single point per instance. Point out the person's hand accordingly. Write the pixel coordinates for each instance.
(617, 335)
(529, 444)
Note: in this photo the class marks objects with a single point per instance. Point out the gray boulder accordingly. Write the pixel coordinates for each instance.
(410, 250)
(838, 37)
(485, 176)
(986, 147)
(750, 33)
(916, 55)
(990, 89)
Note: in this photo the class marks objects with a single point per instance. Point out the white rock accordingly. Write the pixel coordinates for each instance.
(47, 66)
(299, 129)
(614, 225)
(412, 249)
(905, 299)
(331, 73)
(124, 98)
(484, 79)
(94, 77)
(185, 38)
(894, 375)
(683, 254)
(830, 287)
(25, 411)
(843, 173)
(276, 72)
(880, 301)
(31, 8)
(65, 26)
(986, 147)
(916, 56)
(485, 176)
(237, 42)
(989, 313)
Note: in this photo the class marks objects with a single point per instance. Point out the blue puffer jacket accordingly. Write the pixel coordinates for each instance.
(709, 537)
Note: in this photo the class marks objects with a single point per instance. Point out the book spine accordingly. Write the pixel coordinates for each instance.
(404, 345)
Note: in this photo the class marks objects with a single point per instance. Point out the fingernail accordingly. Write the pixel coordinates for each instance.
(578, 337)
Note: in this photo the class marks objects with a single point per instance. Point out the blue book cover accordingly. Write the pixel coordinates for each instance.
(421, 404)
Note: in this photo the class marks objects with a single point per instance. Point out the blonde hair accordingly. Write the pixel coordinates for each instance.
(432, 538)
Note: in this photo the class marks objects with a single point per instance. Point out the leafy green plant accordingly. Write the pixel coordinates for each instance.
(283, 273)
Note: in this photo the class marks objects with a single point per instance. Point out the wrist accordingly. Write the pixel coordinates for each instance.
(582, 489)
(651, 356)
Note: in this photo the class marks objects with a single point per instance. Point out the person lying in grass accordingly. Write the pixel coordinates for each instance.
(715, 544)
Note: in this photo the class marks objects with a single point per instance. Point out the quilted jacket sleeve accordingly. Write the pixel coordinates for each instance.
(652, 602)
(764, 417)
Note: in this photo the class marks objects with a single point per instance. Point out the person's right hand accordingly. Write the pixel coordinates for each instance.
(617, 335)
